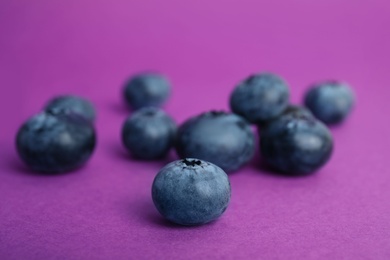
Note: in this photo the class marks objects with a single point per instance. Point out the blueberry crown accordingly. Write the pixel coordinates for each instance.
(215, 113)
(191, 162)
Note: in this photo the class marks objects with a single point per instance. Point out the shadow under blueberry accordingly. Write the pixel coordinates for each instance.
(15, 165)
(148, 215)
(263, 167)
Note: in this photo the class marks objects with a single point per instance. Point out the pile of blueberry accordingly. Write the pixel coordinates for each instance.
(195, 190)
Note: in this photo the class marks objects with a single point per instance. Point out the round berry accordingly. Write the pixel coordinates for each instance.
(55, 142)
(148, 133)
(260, 97)
(296, 144)
(191, 192)
(74, 104)
(147, 89)
(224, 139)
(330, 101)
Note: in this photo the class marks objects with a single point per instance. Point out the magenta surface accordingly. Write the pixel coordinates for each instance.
(104, 210)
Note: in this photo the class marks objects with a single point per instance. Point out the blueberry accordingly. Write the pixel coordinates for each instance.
(55, 142)
(74, 104)
(296, 144)
(148, 133)
(191, 192)
(330, 101)
(147, 89)
(224, 139)
(260, 97)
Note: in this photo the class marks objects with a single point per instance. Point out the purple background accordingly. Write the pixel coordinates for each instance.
(104, 210)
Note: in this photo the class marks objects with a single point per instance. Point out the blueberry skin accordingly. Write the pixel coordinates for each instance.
(296, 144)
(149, 133)
(260, 97)
(74, 104)
(330, 101)
(146, 89)
(224, 139)
(191, 192)
(291, 109)
(55, 142)
(298, 110)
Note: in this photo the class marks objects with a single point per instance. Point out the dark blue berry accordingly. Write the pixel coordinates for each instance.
(55, 142)
(74, 104)
(330, 101)
(147, 89)
(191, 192)
(148, 133)
(260, 97)
(296, 144)
(224, 139)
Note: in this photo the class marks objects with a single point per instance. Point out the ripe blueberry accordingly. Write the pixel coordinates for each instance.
(52, 142)
(260, 97)
(224, 139)
(330, 101)
(191, 192)
(74, 104)
(296, 144)
(147, 89)
(148, 133)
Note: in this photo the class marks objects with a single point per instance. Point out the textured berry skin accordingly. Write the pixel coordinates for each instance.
(191, 192)
(147, 89)
(330, 101)
(74, 104)
(260, 97)
(224, 139)
(296, 144)
(291, 109)
(148, 133)
(53, 143)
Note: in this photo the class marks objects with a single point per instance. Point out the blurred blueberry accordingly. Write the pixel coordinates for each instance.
(260, 97)
(191, 192)
(296, 144)
(53, 142)
(146, 89)
(224, 139)
(72, 103)
(330, 101)
(148, 133)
